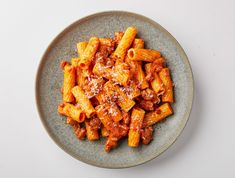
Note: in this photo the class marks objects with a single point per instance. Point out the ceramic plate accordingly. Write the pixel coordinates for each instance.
(50, 77)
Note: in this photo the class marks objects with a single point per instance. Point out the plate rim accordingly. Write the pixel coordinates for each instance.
(179, 131)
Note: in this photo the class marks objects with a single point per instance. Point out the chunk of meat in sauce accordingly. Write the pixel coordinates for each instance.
(71, 122)
(111, 143)
(79, 131)
(103, 52)
(147, 135)
(156, 99)
(126, 117)
(95, 123)
(113, 127)
(123, 130)
(147, 105)
(148, 94)
(118, 131)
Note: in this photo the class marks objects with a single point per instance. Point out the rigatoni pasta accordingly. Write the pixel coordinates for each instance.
(89, 53)
(156, 83)
(69, 81)
(140, 76)
(72, 112)
(159, 114)
(164, 75)
(137, 117)
(115, 88)
(147, 55)
(121, 74)
(138, 71)
(125, 43)
(83, 101)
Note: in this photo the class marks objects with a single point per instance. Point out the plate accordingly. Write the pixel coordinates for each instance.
(50, 77)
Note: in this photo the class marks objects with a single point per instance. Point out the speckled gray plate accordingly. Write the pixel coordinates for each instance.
(49, 81)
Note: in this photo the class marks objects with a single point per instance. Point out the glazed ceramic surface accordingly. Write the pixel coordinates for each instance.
(50, 78)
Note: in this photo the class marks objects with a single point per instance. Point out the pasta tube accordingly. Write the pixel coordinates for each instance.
(122, 100)
(71, 111)
(83, 101)
(161, 113)
(106, 41)
(167, 96)
(140, 76)
(87, 56)
(74, 61)
(102, 114)
(114, 112)
(137, 117)
(156, 83)
(102, 71)
(138, 71)
(69, 82)
(121, 73)
(147, 55)
(125, 43)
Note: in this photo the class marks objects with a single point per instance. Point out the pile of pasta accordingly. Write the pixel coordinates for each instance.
(116, 88)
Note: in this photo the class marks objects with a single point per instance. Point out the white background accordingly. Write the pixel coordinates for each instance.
(204, 28)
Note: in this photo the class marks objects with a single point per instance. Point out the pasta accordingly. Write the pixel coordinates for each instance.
(114, 112)
(131, 90)
(125, 43)
(106, 41)
(71, 111)
(114, 92)
(74, 61)
(69, 81)
(115, 88)
(164, 74)
(101, 70)
(137, 65)
(162, 112)
(102, 114)
(137, 117)
(121, 74)
(81, 46)
(89, 53)
(156, 83)
(123, 100)
(143, 54)
(83, 101)
(140, 76)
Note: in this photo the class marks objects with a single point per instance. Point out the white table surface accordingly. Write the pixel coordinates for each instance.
(205, 29)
